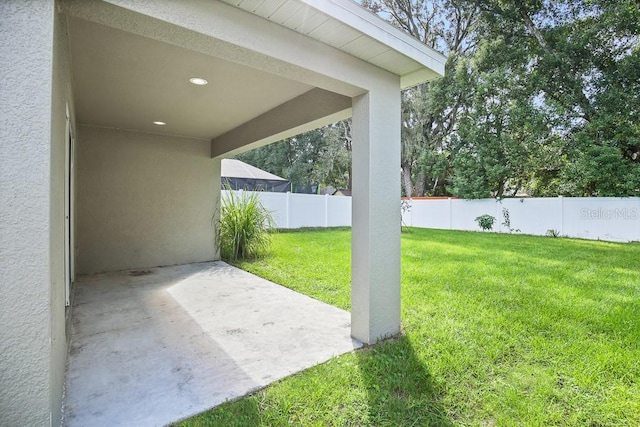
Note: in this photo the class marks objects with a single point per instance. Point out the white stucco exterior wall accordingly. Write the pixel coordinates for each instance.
(144, 200)
(375, 282)
(26, 45)
(61, 99)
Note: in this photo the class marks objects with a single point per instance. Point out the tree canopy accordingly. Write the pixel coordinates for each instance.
(539, 97)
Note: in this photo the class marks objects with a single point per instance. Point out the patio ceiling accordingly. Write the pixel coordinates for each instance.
(128, 81)
(128, 75)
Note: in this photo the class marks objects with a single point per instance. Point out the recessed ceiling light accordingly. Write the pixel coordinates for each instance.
(159, 123)
(198, 81)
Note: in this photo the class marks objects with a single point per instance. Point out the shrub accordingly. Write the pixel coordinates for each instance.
(486, 221)
(553, 232)
(507, 221)
(405, 207)
(244, 226)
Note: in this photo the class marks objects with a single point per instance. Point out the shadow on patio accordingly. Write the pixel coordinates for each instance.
(150, 347)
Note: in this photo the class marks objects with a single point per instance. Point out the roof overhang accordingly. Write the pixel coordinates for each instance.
(289, 65)
(347, 26)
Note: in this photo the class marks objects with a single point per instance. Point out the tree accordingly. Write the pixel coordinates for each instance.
(333, 167)
(430, 111)
(294, 158)
(321, 155)
(538, 95)
(499, 137)
(583, 57)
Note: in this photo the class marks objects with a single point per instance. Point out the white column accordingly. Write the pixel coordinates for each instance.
(375, 277)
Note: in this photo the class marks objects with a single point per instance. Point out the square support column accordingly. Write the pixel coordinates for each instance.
(375, 273)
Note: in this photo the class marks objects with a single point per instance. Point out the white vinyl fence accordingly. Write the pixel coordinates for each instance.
(603, 218)
(292, 210)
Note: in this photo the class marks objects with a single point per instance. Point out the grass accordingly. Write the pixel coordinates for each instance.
(499, 330)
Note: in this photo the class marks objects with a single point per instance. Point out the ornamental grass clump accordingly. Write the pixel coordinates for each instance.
(245, 226)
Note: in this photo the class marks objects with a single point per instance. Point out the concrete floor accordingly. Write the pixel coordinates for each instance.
(155, 346)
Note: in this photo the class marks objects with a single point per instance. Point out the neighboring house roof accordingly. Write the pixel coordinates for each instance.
(327, 190)
(232, 168)
(342, 192)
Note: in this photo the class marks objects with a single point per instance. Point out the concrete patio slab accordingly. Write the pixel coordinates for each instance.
(155, 346)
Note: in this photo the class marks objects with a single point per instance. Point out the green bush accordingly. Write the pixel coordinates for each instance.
(485, 221)
(244, 226)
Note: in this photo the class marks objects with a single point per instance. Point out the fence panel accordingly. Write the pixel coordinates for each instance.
(307, 210)
(434, 214)
(465, 212)
(605, 218)
(339, 211)
(531, 216)
(276, 203)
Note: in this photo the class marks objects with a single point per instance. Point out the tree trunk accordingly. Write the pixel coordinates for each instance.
(421, 185)
(406, 179)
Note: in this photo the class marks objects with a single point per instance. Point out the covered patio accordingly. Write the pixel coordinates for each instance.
(162, 91)
(150, 347)
(120, 113)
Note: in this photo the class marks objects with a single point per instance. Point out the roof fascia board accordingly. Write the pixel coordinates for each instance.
(375, 27)
(418, 77)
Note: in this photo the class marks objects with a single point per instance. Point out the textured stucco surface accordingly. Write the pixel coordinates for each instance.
(306, 112)
(144, 200)
(26, 40)
(375, 283)
(61, 98)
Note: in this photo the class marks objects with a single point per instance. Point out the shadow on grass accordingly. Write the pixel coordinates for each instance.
(392, 387)
(400, 390)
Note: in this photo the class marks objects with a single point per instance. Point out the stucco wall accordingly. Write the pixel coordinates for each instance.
(143, 200)
(26, 40)
(61, 98)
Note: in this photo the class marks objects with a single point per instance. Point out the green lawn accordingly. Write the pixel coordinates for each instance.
(499, 330)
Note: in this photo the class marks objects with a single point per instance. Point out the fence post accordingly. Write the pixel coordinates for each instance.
(450, 213)
(638, 219)
(499, 214)
(561, 199)
(326, 210)
(410, 212)
(287, 209)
